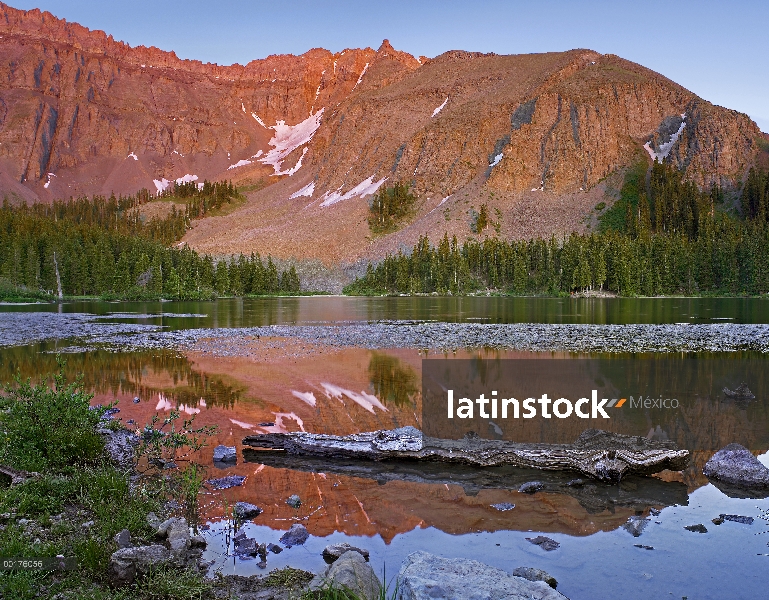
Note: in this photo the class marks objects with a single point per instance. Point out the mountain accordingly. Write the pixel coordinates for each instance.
(540, 139)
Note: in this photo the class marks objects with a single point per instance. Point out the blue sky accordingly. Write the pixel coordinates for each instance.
(717, 50)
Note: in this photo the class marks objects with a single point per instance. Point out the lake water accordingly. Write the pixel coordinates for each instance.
(293, 384)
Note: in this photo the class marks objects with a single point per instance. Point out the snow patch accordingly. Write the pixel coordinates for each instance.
(295, 168)
(187, 179)
(496, 160)
(363, 72)
(367, 401)
(258, 120)
(243, 106)
(440, 108)
(307, 190)
(241, 424)
(444, 200)
(240, 163)
(665, 148)
(132, 155)
(161, 184)
(258, 154)
(288, 138)
(47, 183)
(364, 188)
(307, 397)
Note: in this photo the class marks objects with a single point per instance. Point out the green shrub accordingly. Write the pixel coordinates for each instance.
(48, 428)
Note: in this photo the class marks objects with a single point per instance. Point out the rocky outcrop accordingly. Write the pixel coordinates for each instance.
(599, 454)
(82, 112)
(424, 576)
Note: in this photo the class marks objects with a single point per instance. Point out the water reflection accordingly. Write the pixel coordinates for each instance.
(251, 312)
(391, 381)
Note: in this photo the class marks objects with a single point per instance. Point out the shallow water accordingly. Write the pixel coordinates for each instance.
(397, 509)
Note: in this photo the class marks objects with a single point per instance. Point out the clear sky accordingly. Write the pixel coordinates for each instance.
(717, 49)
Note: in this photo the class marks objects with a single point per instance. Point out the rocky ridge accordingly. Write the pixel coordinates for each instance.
(534, 136)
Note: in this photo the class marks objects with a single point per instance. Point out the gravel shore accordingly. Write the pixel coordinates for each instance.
(88, 331)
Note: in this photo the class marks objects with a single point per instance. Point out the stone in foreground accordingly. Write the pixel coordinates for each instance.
(127, 563)
(424, 576)
(296, 536)
(735, 466)
(599, 454)
(351, 573)
(333, 551)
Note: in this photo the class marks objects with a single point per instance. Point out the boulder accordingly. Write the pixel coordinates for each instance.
(123, 539)
(226, 454)
(153, 521)
(531, 574)
(245, 510)
(296, 536)
(350, 573)
(424, 576)
(735, 466)
(120, 446)
(333, 551)
(177, 533)
(127, 563)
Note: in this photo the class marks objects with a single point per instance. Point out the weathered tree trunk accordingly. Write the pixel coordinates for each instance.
(597, 454)
(58, 277)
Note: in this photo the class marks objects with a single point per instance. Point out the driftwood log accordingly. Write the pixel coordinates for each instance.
(597, 454)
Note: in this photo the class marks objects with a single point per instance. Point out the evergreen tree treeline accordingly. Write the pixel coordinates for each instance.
(672, 242)
(102, 247)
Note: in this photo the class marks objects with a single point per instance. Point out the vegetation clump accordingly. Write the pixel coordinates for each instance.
(390, 207)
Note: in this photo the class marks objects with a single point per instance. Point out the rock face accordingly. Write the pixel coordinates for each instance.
(83, 113)
(424, 576)
(736, 470)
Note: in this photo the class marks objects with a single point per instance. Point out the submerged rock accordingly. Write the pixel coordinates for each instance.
(735, 466)
(532, 574)
(736, 519)
(530, 487)
(294, 501)
(424, 576)
(545, 543)
(246, 510)
(503, 506)
(226, 454)
(635, 525)
(274, 548)
(333, 551)
(224, 483)
(296, 536)
(698, 528)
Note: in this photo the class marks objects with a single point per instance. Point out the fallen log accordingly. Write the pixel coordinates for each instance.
(598, 454)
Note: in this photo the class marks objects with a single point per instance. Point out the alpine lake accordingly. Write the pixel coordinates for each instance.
(313, 364)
